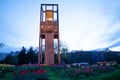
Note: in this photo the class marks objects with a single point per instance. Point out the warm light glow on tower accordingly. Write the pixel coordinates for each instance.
(49, 15)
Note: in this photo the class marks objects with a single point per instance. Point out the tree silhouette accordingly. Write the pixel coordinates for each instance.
(22, 56)
(10, 59)
(31, 56)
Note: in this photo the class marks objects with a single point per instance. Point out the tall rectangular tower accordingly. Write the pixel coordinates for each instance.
(49, 30)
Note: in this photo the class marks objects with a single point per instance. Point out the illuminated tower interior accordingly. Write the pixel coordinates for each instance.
(49, 32)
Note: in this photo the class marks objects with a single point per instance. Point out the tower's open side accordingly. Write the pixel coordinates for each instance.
(49, 30)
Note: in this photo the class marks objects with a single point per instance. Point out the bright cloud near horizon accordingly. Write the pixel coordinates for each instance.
(84, 24)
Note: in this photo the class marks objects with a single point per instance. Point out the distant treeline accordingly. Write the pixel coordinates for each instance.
(92, 57)
(30, 56)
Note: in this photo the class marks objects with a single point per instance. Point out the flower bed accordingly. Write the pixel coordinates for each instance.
(81, 72)
(38, 72)
(30, 74)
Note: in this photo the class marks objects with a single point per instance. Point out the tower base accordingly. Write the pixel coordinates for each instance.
(49, 48)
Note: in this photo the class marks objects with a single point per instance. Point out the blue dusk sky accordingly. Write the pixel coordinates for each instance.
(84, 24)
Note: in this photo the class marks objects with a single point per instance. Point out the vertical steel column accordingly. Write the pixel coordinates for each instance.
(59, 61)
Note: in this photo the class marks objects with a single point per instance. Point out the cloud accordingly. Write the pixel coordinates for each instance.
(115, 43)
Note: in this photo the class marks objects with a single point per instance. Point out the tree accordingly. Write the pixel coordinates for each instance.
(111, 56)
(63, 52)
(22, 56)
(31, 56)
(64, 55)
(10, 59)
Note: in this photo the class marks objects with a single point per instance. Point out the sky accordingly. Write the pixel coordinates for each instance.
(84, 24)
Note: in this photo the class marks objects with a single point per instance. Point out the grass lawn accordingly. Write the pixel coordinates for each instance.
(8, 76)
(104, 76)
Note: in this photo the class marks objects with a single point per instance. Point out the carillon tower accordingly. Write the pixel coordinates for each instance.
(49, 31)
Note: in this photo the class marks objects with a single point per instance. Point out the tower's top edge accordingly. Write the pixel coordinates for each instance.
(49, 4)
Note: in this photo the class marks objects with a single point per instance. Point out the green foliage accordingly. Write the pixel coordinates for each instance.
(10, 59)
(4, 69)
(72, 73)
(102, 69)
(59, 72)
(85, 74)
(30, 73)
(21, 56)
(105, 76)
(30, 56)
(30, 76)
(113, 76)
(27, 57)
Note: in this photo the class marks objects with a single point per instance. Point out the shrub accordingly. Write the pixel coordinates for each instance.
(30, 74)
(5, 68)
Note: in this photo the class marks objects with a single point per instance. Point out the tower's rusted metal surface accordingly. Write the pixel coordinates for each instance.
(49, 30)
